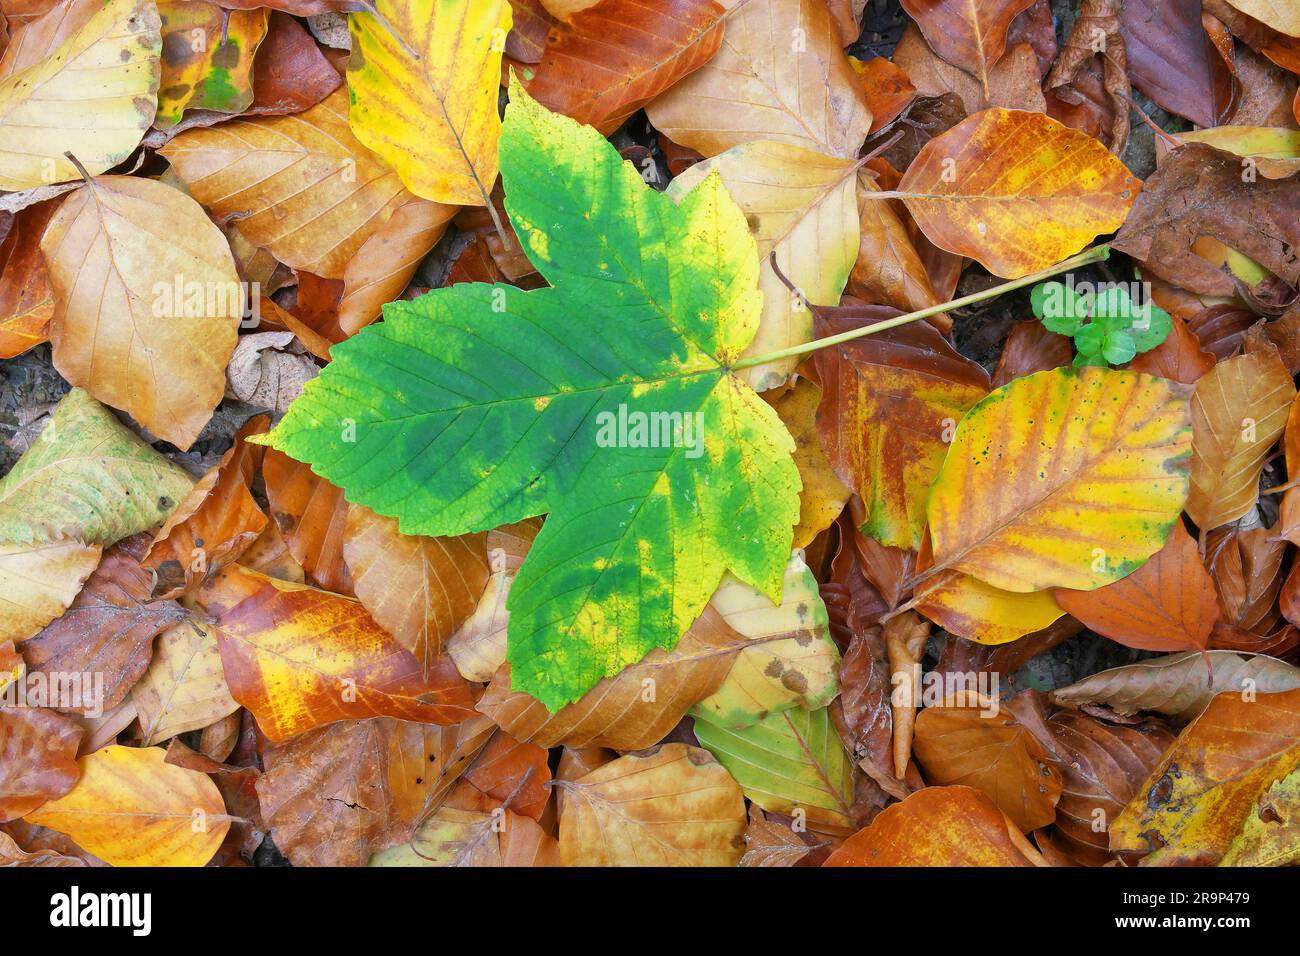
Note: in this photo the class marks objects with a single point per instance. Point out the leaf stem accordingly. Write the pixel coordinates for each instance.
(1087, 257)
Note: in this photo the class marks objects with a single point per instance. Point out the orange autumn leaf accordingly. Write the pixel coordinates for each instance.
(937, 826)
(1017, 191)
(312, 515)
(1167, 604)
(300, 658)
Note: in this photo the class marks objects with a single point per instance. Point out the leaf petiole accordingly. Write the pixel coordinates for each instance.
(1088, 256)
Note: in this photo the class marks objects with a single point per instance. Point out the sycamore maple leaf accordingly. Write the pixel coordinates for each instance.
(607, 402)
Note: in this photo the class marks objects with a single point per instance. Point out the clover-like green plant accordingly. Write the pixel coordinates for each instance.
(1107, 326)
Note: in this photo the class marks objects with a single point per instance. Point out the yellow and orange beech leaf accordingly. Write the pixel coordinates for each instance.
(177, 817)
(1016, 191)
(299, 658)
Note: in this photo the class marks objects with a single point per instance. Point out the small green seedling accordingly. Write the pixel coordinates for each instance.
(1106, 325)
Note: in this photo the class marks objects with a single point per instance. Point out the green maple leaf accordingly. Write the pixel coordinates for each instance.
(476, 405)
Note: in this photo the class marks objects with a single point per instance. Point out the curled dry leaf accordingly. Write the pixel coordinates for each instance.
(1065, 190)
(677, 807)
(299, 658)
(818, 105)
(147, 302)
(1197, 799)
(162, 800)
(937, 826)
(38, 758)
(905, 635)
(1167, 604)
(421, 590)
(92, 94)
(269, 369)
(770, 843)
(1179, 685)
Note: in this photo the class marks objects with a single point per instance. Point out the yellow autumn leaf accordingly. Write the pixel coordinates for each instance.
(37, 582)
(427, 103)
(93, 95)
(966, 606)
(1064, 478)
(176, 815)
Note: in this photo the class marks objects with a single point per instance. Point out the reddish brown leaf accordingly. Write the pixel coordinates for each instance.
(38, 758)
(1179, 357)
(312, 515)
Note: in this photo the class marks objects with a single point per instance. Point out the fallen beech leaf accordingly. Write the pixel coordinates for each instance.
(612, 58)
(26, 300)
(886, 87)
(1276, 14)
(105, 638)
(299, 658)
(11, 854)
(937, 826)
(177, 817)
(1167, 604)
(479, 647)
(677, 807)
(427, 104)
(1247, 567)
(302, 186)
(889, 269)
(1053, 453)
(1179, 357)
(905, 638)
(1271, 834)
(1200, 191)
(50, 107)
(970, 608)
(800, 207)
(1103, 766)
(1031, 348)
(818, 106)
(971, 34)
(890, 405)
(633, 709)
(290, 74)
(508, 769)
(338, 794)
(1196, 800)
(526, 42)
(207, 58)
(992, 754)
(769, 843)
(1179, 685)
(38, 758)
(824, 495)
(1025, 193)
(420, 590)
(159, 354)
(866, 691)
(1172, 60)
(37, 582)
(215, 524)
(185, 687)
(312, 515)
(1013, 82)
(787, 763)
(380, 270)
(1239, 410)
(790, 660)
